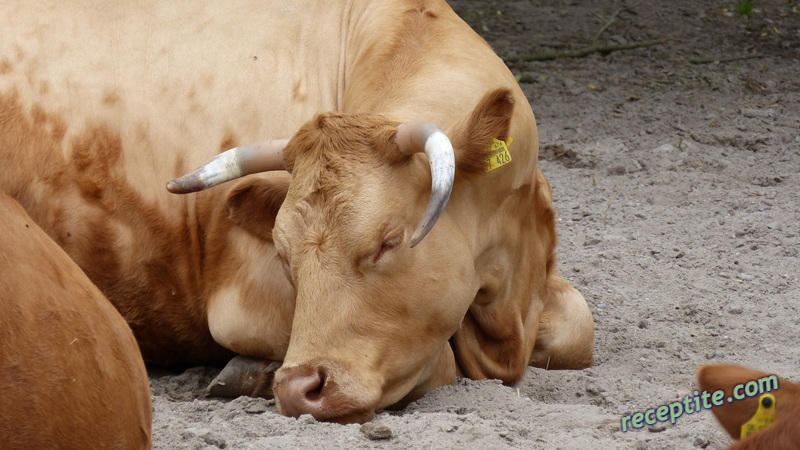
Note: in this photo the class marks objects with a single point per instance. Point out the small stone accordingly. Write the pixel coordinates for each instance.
(195, 433)
(591, 241)
(256, 407)
(214, 440)
(657, 428)
(665, 148)
(716, 355)
(376, 431)
(746, 277)
(601, 306)
(614, 239)
(206, 435)
(735, 309)
(307, 419)
(701, 442)
(775, 225)
(594, 390)
(617, 170)
(643, 324)
(757, 113)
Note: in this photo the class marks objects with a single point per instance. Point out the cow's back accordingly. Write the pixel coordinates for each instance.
(127, 96)
(101, 103)
(71, 375)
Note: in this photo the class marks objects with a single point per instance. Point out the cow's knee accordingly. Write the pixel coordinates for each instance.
(566, 329)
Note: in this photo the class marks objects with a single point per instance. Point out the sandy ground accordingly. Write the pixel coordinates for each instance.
(676, 185)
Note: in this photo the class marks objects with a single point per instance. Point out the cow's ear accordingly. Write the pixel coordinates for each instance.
(472, 136)
(254, 202)
(727, 378)
(723, 377)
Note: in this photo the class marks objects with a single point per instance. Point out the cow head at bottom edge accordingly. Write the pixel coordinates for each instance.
(332, 390)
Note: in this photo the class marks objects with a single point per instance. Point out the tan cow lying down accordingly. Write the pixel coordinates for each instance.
(782, 434)
(101, 105)
(71, 375)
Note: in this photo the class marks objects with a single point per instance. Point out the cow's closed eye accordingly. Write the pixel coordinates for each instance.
(392, 241)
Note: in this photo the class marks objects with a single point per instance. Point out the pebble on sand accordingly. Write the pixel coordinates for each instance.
(376, 431)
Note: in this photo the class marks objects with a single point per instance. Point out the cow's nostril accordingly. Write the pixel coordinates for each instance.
(314, 394)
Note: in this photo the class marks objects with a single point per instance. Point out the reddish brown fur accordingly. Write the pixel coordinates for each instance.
(96, 177)
(783, 434)
(71, 375)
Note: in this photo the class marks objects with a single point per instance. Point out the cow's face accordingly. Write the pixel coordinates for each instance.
(373, 311)
(372, 315)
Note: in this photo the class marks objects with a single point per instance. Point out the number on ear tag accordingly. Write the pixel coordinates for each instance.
(500, 155)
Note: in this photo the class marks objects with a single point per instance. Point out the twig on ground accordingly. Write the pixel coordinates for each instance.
(611, 200)
(544, 56)
(723, 60)
(608, 23)
(595, 46)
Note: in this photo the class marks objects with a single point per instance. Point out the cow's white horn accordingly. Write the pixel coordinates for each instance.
(231, 164)
(425, 136)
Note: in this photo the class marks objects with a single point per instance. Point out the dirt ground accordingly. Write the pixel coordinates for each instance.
(675, 171)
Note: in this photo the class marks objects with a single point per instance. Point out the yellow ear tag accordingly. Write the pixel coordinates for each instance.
(763, 417)
(500, 155)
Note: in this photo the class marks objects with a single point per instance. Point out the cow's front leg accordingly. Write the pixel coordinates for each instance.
(566, 330)
(244, 375)
(255, 322)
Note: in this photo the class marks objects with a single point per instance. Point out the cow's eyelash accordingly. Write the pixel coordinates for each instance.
(386, 245)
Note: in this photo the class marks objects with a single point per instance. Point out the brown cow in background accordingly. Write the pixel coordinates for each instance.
(71, 375)
(783, 434)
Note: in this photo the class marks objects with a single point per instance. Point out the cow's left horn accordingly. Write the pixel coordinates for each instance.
(417, 136)
(231, 164)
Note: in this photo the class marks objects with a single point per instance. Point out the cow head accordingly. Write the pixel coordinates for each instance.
(375, 302)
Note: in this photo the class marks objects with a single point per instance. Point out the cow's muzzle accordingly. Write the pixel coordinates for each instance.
(325, 391)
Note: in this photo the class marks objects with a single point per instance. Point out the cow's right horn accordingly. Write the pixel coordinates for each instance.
(417, 136)
(231, 164)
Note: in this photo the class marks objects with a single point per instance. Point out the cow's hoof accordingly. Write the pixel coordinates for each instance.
(244, 375)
